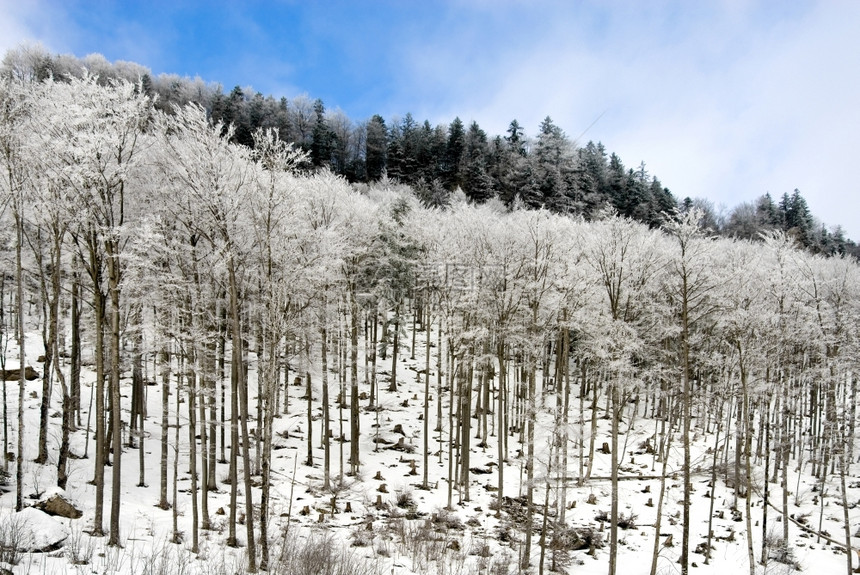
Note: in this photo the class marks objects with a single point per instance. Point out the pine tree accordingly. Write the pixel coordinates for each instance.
(375, 155)
(473, 170)
(454, 149)
(322, 144)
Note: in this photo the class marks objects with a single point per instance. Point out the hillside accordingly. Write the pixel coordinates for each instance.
(241, 364)
(382, 521)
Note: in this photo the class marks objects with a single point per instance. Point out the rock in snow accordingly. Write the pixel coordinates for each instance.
(33, 530)
(56, 503)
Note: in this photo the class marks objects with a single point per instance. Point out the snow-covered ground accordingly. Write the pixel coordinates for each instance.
(378, 536)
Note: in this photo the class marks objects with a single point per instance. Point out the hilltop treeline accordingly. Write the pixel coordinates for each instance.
(544, 170)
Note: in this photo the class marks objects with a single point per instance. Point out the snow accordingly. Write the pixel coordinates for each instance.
(384, 537)
(33, 530)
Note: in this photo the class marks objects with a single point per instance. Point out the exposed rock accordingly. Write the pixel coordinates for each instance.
(59, 506)
(30, 374)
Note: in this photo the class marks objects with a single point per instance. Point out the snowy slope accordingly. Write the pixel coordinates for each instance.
(420, 535)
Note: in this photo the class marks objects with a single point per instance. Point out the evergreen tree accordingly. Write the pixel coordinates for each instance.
(662, 201)
(516, 138)
(590, 178)
(453, 154)
(616, 183)
(375, 148)
(256, 113)
(553, 162)
(473, 169)
(323, 138)
(394, 155)
(236, 113)
(797, 220)
(410, 146)
(281, 121)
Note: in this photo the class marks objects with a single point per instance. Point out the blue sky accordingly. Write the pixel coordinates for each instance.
(724, 99)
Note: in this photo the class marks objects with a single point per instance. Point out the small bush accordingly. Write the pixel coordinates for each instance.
(404, 500)
(575, 538)
(79, 547)
(781, 552)
(624, 521)
(448, 520)
(362, 537)
(12, 535)
(628, 521)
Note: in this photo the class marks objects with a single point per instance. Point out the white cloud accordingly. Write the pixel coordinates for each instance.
(725, 101)
(15, 27)
(34, 22)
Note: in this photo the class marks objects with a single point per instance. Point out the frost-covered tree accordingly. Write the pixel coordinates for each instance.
(623, 257)
(214, 176)
(96, 134)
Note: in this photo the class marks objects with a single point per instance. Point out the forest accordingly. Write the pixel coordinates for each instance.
(548, 170)
(221, 293)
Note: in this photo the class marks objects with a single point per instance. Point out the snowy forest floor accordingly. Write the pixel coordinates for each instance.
(394, 526)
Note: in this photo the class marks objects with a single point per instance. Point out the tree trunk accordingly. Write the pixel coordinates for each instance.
(424, 483)
(114, 278)
(205, 451)
(326, 441)
(222, 358)
(49, 333)
(502, 432)
(270, 386)
(235, 367)
(98, 312)
(719, 420)
(686, 405)
(564, 372)
(593, 434)
(354, 422)
(211, 397)
(22, 356)
(3, 367)
(747, 445)
(68, 418)
(243, 406)
(530, 459)
(310, 393)
(75, 355)
(164, 371)
(614, 413)
(374, 331)
(660, 498)
(177, 536)
(395, 349)
(138, 412)
(191, 379)
(466, 422)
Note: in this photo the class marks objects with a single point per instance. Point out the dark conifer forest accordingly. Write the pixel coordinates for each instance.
(540, 169)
